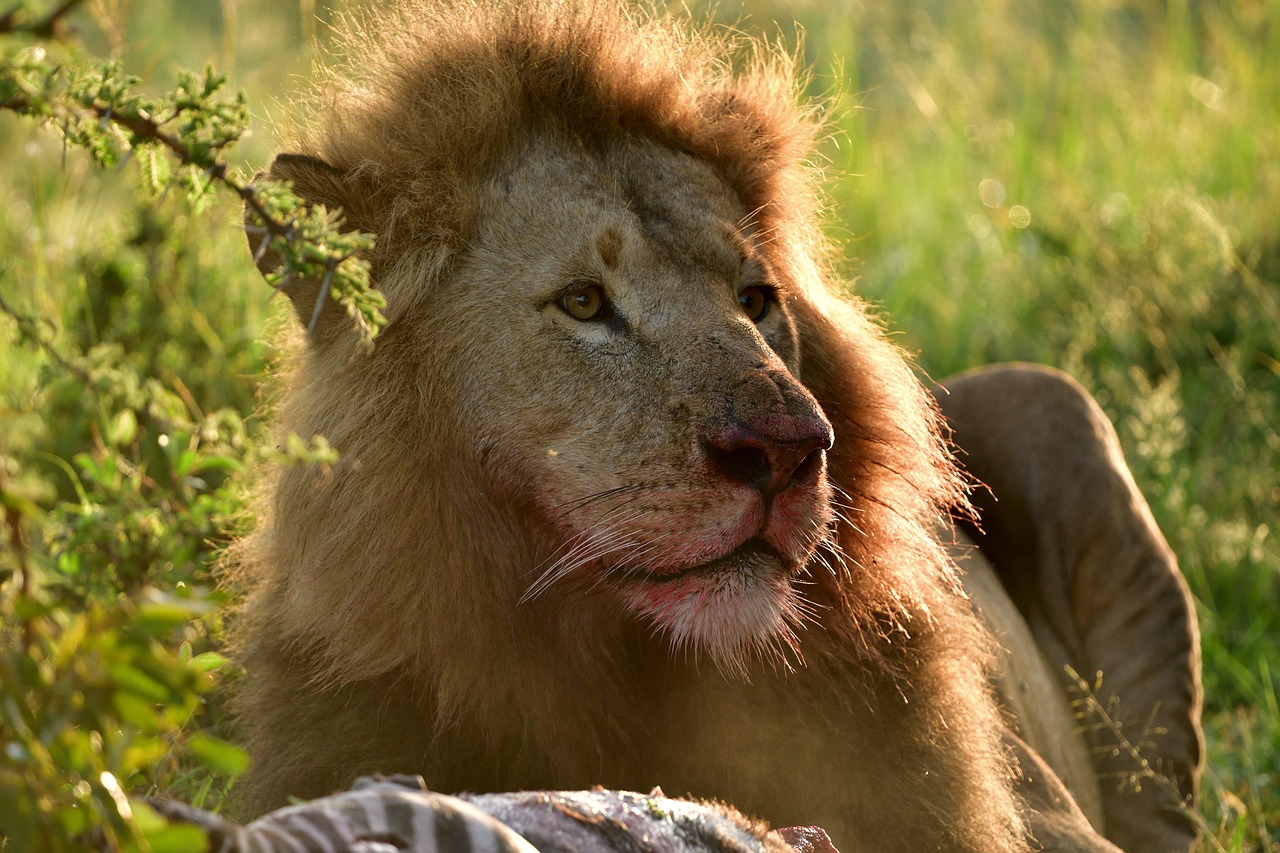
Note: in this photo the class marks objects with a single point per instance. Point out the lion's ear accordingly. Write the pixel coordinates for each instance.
(316, 182)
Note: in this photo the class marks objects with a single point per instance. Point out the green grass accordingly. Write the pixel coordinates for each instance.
(1097, 186)
(1094, 185)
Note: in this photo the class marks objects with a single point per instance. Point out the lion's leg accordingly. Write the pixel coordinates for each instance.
(1029, 687)
(1056, 821)
(1075, 546)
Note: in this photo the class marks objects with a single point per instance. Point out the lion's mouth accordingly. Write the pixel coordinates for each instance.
(737, 607)
(753, 557)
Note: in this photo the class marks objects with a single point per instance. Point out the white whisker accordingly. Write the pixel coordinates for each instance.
(588, 547)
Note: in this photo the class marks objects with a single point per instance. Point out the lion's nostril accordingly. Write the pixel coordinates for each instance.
(766, 463)
(808, 465)
(746, 463)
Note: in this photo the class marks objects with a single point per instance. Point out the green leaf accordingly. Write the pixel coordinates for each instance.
(218, 755)
(177, 838)
(207, 662)
(139, 713)
(159, 610)
(123, 429)
(217, 463)
(138, 682)
(165, 837)
(185, 461)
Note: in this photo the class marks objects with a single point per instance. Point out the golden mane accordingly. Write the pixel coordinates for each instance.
(434, 99)
(396, 575)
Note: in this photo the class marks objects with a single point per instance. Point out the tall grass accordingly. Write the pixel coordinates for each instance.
(1093, 184)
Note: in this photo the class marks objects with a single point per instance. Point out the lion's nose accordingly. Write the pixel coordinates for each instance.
(768, 456)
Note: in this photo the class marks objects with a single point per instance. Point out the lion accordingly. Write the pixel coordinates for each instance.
(631, 494)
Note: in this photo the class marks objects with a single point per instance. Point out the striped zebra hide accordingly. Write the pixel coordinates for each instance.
(386, 815)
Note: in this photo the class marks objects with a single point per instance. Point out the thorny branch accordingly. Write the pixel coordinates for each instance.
(143, 127)
(311, 241)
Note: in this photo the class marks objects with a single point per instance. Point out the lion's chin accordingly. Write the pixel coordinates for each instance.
(735, 609)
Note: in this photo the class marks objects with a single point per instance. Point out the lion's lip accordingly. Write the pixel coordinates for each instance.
(755, 552)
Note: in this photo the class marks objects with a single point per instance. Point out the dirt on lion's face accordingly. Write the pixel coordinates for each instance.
(663, 451)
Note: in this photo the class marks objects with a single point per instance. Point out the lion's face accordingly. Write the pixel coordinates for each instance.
(629, 382)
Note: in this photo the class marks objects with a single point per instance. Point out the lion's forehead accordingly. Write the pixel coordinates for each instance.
(634, 201)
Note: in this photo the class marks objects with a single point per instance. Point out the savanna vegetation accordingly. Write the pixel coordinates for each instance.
(1091, 184)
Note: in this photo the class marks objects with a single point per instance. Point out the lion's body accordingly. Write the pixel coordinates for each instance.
(669, 545)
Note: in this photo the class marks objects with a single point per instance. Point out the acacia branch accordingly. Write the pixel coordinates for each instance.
(311, 241)
(143, 127)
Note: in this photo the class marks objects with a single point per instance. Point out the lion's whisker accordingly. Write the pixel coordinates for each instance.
(588, 547)
(644, 549)
(581, 537)
(572, 505)
(820, 558)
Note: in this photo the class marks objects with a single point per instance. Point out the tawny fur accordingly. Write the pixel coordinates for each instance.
(384, 630)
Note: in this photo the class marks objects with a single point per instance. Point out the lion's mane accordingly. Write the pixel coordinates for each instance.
(382, 630)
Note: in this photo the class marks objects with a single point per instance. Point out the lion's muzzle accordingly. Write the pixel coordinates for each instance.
(770, 434)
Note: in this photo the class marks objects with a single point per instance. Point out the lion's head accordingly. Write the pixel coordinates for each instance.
(596, 357)
(616, 409)
(641, 410)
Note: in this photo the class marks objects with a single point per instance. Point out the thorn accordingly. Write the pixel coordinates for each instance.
(262, 248)
(106, 118)
(324, 294)
(208, 174)
(124, 161)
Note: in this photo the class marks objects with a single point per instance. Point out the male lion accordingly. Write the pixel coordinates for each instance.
(630, 496)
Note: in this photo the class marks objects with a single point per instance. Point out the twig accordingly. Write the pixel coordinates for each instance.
(32, 327)
(283, 282)
(321, 298)
(262, 247)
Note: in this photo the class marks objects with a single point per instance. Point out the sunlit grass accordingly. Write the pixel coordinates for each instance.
(1097, 186)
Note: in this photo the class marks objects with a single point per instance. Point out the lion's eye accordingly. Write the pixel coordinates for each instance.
(585, 303)
(755, 302)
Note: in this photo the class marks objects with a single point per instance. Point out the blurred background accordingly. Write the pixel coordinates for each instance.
(1092, 184)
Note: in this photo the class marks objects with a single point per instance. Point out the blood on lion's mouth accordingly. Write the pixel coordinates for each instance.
(752, 556)
(735, 608)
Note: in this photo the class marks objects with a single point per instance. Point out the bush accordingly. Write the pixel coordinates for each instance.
(118, 476)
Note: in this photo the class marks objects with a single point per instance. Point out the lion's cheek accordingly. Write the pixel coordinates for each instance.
(653, 532)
